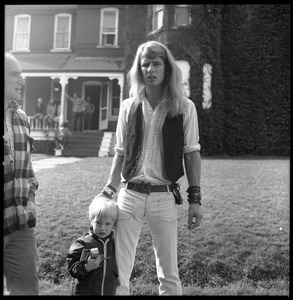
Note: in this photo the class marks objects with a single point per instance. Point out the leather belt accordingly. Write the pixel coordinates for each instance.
(146, 187)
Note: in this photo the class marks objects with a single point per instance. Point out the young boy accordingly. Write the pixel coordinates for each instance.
(91, 258)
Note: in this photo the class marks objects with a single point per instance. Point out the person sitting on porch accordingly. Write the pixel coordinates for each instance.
(39, 114)
(51, 114)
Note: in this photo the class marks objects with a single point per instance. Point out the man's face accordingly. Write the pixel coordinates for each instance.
(13, 79)
(153, 71)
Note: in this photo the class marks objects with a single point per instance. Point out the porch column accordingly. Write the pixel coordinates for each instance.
(63, 82)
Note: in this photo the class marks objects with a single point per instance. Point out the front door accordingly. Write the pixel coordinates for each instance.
(93, 91)
(103, 116)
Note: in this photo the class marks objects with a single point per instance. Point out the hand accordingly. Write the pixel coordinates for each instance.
(94, 263)
(194, 212)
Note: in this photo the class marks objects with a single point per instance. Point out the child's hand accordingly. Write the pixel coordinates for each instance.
(94, 263)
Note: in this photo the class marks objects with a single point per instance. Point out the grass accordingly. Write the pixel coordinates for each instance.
(241, 248)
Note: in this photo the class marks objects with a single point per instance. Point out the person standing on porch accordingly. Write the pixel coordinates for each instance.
(78, 110)
(90, 108)
(157, 130)
(20, 253)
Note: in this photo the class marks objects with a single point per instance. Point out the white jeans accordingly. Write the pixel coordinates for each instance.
(161, 214)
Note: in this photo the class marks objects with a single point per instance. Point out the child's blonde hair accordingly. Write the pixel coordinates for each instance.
(101, 207)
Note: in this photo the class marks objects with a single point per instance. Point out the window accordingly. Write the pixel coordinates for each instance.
(207, 86)
(62, 32)
(182, 16)
(109, 27)
(21, 36)
(158, 14)
(184, 66)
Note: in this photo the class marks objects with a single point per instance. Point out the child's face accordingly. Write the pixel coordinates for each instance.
(102, 227)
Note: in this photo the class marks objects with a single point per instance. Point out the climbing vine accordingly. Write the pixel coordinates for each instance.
(248, 49)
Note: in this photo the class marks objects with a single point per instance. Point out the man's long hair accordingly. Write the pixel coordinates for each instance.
(173, 89)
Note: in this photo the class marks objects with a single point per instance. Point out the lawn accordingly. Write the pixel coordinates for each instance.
(242, 247)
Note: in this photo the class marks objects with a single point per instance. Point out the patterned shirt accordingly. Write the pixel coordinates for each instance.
(150, 165)
(20, 182)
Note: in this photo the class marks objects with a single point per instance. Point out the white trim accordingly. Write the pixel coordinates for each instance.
(20, 51)
(108, 46)
(119, 75)
(40, 6)
(103, 123)
(60, 50)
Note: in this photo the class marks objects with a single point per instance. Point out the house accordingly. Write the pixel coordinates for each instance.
(67, 49)
(64, 49)
(90, 48)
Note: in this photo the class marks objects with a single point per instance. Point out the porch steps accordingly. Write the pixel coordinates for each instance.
(86, 143)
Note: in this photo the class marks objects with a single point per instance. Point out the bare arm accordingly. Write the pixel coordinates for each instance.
(114, 178)
(192, 162)
(70, 98)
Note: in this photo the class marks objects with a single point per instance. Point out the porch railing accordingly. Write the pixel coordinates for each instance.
(42, 126)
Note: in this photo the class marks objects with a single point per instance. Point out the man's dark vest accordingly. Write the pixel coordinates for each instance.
(173, 139)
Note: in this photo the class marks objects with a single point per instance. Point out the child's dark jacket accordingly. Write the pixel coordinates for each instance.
(100, 281)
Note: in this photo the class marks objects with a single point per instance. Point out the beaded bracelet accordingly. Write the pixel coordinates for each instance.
(194, 195)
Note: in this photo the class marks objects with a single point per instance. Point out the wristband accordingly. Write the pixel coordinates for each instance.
(111, 188)
(192, 201)
(109, 196)
(194, 195)
(193, 189)
(108, 192)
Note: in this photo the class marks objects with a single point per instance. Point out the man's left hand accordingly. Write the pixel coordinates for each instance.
(195, 216)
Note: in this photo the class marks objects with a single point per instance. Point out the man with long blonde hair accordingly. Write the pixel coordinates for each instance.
(157, 130)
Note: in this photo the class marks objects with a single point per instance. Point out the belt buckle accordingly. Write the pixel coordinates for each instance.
(145, 188)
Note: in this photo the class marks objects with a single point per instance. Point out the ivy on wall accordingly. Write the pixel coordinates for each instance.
(248, 48)
(256, 68)
(135, 34)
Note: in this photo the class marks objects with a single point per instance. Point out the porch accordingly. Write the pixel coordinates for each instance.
(87, 143)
